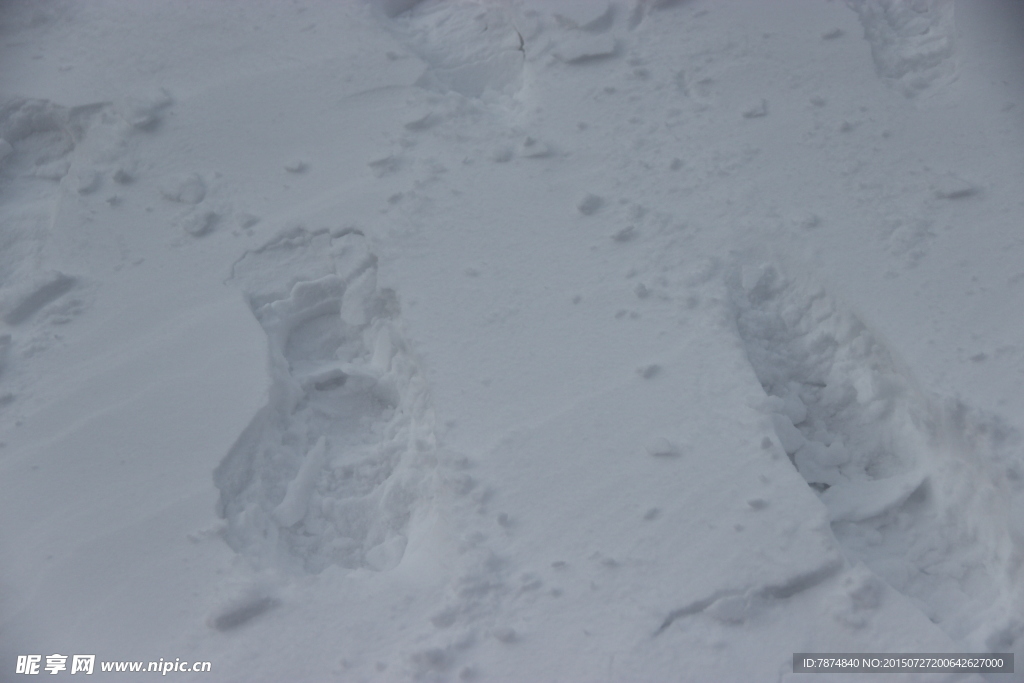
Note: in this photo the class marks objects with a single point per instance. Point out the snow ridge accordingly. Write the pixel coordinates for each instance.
(321, 476)
(923, 491)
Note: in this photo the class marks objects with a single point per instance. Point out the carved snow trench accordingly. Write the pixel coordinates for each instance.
(928, 493)
(329, 471)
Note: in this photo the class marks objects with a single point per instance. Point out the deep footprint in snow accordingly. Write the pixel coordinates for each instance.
(927, 493)
(326, 473)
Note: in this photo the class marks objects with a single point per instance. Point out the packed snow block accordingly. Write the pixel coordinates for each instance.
(43, 290)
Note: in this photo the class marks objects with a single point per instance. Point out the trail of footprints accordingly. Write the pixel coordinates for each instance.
(927, 493)
(326, 473)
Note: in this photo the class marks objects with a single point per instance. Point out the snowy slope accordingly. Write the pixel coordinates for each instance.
(479, 340)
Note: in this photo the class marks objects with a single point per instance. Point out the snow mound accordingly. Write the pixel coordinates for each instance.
(322, 474)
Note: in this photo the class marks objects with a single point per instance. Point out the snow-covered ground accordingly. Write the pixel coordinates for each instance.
(522, 340)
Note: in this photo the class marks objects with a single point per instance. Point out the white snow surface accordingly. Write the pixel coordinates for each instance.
(510, 340)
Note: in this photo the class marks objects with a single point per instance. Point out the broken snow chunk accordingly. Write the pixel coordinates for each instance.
(187, 188)
(789, 436)
(200, 223)
(756, 110)
(586, 48)
(819, 464)
(855, 501)
(296, 166)
(832, 34)
(590, 204)
(757, 503)
(660, 447)
(792, 406)
(950, 186)
(293, 508)
(5, 149)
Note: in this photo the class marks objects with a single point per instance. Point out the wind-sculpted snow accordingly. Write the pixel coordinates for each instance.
(928, 493)
(323, 474)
